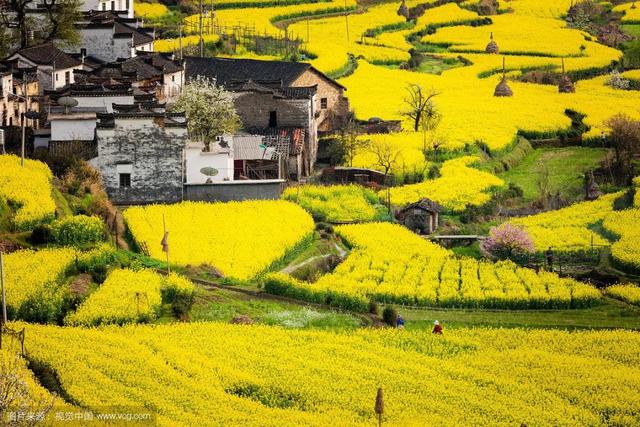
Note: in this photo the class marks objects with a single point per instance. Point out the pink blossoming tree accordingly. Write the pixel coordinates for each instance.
(507, 241)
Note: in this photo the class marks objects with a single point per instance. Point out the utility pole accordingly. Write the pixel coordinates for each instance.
(4, 299)
(346, 18)
(307, 29)
(201, 39)
(180, 39)
(23, 117)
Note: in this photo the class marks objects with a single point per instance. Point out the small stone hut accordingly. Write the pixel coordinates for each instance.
(421, 216)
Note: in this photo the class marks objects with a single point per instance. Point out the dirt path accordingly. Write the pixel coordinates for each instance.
(293, 267)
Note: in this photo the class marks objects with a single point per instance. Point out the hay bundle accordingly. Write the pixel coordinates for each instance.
(492, 46)
(565, 85)
(503, 88)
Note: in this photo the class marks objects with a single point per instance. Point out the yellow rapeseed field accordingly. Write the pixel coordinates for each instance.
(126, 296)
(626, 292)
(30, 274)
(34, 200)
(150, 10)
(458, 186)
(337, 202)
(391, 264)
(240, 239)
(568, 228)
(220, 374)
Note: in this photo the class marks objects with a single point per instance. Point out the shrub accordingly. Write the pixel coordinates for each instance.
(78, 230)
(373, 308)
(178, 291)
(41, 235)
(390, 316)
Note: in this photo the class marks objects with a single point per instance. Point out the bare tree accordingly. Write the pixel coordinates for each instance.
(18, 406)
(419, 103)
(625, 138)
(386, 156)
(349, 138)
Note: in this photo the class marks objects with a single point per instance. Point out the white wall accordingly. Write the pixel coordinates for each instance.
(73, 130)
(103, 101)
(196, 159)
(172, 85)
(100, 43)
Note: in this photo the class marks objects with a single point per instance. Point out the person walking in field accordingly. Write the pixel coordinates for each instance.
(400, 322)
(437, 328)
(549, 257)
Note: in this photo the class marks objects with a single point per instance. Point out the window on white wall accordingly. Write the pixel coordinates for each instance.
(124, 175)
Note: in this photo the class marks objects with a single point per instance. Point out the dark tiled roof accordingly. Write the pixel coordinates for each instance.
(228, 70)
(143, 67)
(48, 54)
(274, 88)
(89, 61)
(139, 37)
(122, 27)
(424, 204)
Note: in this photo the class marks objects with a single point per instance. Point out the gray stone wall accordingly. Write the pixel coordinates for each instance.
(253, 109)
(236, 190)
(155, 155)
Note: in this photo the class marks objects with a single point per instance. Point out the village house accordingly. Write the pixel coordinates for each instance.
(123, 7)
(109, 36)
(54, 67)
(18, 94)
(140, 154)
(154, 73)
(421, 216)
(276, 98)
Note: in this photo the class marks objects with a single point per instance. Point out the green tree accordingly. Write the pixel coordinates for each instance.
(209, 109)
(62, 16)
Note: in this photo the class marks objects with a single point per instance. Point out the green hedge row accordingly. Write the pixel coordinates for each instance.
(283, 285)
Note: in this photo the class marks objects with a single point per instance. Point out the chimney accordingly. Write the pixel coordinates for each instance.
(83, 54)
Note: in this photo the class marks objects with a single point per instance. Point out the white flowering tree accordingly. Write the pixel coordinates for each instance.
(209, 109)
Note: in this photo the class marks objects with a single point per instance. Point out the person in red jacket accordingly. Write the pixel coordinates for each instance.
(437, 328)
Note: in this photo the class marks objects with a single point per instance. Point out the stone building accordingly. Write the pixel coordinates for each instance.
(109, 36)
(19, 90)
(276, 98)
(421, 217)
(153, 73)
(140, 154)
(54, 67)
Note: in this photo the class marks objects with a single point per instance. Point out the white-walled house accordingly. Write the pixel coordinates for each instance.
(109, 36)
(123, 7)
(54, 67)
(232, 158)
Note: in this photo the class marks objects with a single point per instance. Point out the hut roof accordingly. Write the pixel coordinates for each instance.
(424, 204)
(492, 46)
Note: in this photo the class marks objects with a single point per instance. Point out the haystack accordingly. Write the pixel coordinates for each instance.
(492, 47)
(503, 88)
(403, 10)
(566, 85)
